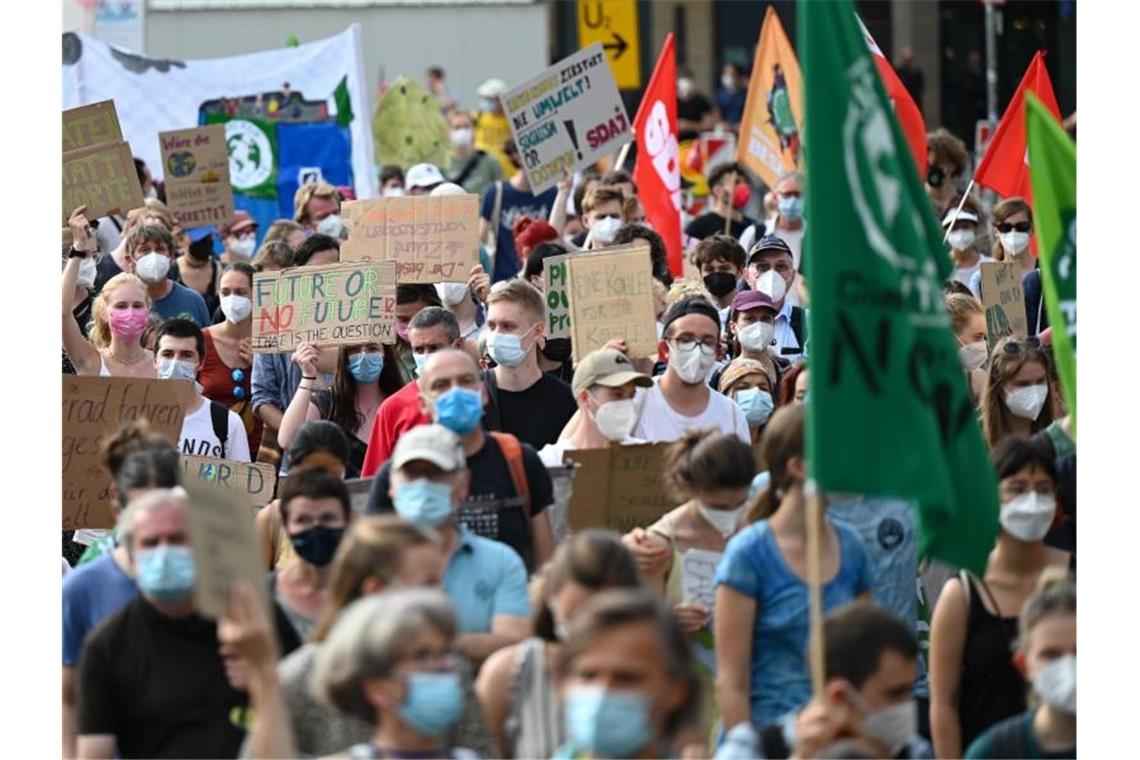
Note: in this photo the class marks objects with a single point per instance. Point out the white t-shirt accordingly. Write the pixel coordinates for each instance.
(198, 436)
(659, 422)
(551, 453)
(963, 274)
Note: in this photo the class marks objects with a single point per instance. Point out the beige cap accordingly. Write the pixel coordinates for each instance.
(431, 443)
(608, 367)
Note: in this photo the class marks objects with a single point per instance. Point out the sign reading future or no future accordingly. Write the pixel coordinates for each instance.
(567, 117)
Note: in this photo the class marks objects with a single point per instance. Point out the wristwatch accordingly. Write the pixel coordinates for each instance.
(75, 253)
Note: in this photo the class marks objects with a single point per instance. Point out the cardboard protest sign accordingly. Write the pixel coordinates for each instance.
(698, 572)
(225, 547)
(334, 305)
(95, 124)
(196, 163)
(94, 407)
(358, 490)
(620, 487)
(254, 481)
(103, 177)
(431, 239)
(562, 481)
(567, 117)
(555, 287)
(611, 296)
(1003, 301)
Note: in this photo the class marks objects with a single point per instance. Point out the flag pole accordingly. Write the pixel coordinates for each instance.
(957, 211)
(622, 155)
(728, 216)
(814, 507)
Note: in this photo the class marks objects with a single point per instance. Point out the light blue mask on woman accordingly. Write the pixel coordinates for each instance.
(756, 405)
(424, 502)
(366, 366)
(605, 722)
(434, 702)
(166, 573)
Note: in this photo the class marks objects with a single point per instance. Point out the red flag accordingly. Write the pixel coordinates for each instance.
(910, 118)
(658, 168)
(1005, 167)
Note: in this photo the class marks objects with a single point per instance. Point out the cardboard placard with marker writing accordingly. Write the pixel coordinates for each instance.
(94, 124)
(254, 481)
(1003, 301)
(103, 178)
(620, 487)
(554, 290)
(95, 407)
(611, 296)
(197, 168)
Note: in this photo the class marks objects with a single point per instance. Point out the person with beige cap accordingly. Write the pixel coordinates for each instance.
(485, 579)
(605, 382)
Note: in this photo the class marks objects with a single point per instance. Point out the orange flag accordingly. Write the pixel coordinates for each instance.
(770, 140)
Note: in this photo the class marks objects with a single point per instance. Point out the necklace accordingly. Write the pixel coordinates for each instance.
(142, 356)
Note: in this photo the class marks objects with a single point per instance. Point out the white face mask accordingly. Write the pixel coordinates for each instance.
(152, 268)
(757, 336)
(615, 419)
(960, 240)
(462, 137)
(684, 87)
(236, 308)
(892, 726)
(723, 520)
(727, 82)
(331, 226)
(603, 230)
(1014, 243)
(395, 191)
(772, 285)
(1029, 516)
(973, 355)
(88, 269)
(1056, 684)
(1027, 402)
(692, 366)
(243, 246)
(451, 293)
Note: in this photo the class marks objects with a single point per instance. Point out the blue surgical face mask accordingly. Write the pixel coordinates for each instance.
(605, 722)
(366, 366)
(424, 502)
(434, 702)
(756, 405)
(791, 207)
(166, 572)
(459, 410)
(506, 349)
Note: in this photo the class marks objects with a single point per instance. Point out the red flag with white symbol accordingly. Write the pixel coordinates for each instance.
(910, 118)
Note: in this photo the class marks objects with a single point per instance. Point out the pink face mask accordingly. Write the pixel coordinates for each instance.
(128, 324)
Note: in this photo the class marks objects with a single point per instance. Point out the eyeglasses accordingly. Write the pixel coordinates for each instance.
(1014, 346)
(1004, 227)
(708, 347)
(238, 376)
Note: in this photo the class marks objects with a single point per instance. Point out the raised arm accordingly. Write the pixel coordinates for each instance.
(301, 408)
(84, 356)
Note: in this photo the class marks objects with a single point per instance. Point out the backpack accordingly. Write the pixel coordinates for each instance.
(220, 417)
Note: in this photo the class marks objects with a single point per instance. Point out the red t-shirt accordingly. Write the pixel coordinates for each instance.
(218, 385)
(397, 414)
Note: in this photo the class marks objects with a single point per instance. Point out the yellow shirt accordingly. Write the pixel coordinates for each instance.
(491, 131)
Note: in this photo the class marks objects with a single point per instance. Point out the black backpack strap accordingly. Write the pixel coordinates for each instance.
(476, 157)
(491, 413)
(796, 320)
(220, 417)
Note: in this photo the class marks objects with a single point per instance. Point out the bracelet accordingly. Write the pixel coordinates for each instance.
(306, 377)
(75, 253)
(305, 388)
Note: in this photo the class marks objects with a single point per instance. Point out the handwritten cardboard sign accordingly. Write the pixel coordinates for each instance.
(225, 546)
(611, 296)
(334, 305)
(567, 117)
(698, 572)
(555, 288)
(253, 480)
(197, 167)
(620, 487)
(94, 407)
(431, 239)
(1003, 301)
(103, 177)
(89, 125)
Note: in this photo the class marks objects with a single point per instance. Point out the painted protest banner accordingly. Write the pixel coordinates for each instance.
(196, 163)
(95, 124)
(94, 407)
(103, 177)
(1003, 301)
(225, 546)
(254, 481)
(334, 305)
(698, 571)
(567, 117)
(431, 239)
(619, 487)
(555, 289)
(611, 296)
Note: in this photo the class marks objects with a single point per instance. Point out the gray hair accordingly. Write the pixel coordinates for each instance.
(798, 176)
(368, 641)
(143, 505)
(430, 316)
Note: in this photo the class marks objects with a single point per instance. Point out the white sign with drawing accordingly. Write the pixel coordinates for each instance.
(698, 574)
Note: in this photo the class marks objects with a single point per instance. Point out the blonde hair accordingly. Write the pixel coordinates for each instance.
(153, 207)
(685, 287)
(1056, 594)
(100, 335)
(306, 193)
(519, 292)
(603, 194)
(961, 307)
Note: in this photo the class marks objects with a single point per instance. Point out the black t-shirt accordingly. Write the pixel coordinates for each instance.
(711, 223)
(536, 415)
(158, 685)
(692, 109)
(493, 508)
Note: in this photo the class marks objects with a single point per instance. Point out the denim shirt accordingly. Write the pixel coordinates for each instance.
(275, 380)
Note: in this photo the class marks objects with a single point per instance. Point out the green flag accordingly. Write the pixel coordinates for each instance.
(890, 412)
(1053, 173)
(253, 154)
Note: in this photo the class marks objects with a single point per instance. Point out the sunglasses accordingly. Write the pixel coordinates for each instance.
(238, 376)
(1005, 227)
(1014, 347)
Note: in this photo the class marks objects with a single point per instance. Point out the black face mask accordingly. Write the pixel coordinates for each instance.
(720, 284)
(557, 349)
(202, 250)
(935, 176)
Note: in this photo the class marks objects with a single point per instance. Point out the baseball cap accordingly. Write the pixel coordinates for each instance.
(241, 223)
(747, 300)
(423, 175)
(769, 243)
(963, 216)
(608, 367)
(492, 88)
(197, 234)
(690, 305)
(431, 443)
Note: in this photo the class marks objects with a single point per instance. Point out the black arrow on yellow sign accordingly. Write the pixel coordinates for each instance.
(619, 44)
